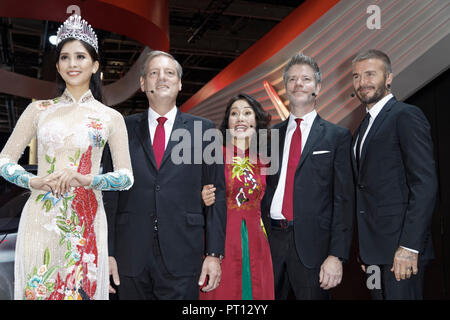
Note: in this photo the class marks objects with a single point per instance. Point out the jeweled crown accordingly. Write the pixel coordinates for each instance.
(75, 27)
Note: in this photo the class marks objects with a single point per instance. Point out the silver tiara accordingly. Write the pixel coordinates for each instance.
(75, 27)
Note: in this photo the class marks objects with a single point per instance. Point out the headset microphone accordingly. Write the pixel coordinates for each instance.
(314, 94)
(352, 95)
(152, 91)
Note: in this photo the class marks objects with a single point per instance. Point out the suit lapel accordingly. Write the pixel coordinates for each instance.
(282, 135)
(315, 133)
(375, 126)
(143, 133)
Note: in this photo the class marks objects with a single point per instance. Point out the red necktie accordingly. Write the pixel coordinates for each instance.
(295, 152)
(159, 141)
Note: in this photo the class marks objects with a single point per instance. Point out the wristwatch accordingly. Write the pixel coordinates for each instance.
(215, 255)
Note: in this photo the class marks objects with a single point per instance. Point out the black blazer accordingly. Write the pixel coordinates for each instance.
(172, 195)
(323, 193)
(396, 184)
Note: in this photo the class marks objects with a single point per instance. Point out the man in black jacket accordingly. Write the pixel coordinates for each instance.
(158, 232)
(309, 203)
(395, 181)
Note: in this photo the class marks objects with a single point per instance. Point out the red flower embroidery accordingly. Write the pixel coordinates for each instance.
(58, 293)
(29, 294)
(95, 125)
(85, 205)
(42, 105)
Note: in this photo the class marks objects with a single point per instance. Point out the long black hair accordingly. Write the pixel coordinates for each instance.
(95, 84)
(262, 117)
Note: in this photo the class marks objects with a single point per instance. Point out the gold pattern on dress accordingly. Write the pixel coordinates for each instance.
(242, 167)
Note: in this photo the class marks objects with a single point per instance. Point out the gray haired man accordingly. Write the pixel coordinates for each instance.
(308, 205)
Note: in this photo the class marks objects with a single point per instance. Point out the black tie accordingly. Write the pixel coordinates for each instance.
(362, 131)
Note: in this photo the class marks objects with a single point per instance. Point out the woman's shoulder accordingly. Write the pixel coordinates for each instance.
(108, 111)
(42, 105)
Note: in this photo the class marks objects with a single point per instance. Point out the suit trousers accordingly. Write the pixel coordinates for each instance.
(391, 289)
(289, 271)
(156, 283)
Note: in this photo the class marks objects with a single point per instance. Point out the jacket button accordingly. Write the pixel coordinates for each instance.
(361, 187)
(157, 188)
(362, 211)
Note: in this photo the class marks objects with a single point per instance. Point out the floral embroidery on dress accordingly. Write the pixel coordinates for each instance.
(242, 167)
(47, 199)
(75, 225)
(66, 98)
(51, 135)
(96, 131)
(44, 104)
(74, 161)
(51, 161)
(71, 232)
(85, 205)
(71, 228)
(240, 197)
(87, 98)
(40, 284)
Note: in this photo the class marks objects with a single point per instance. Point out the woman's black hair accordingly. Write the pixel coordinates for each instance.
(262, 117)
(95, 85)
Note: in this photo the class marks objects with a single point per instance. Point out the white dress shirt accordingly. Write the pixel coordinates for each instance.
(168, 125)
(374, 111)
(305, 128)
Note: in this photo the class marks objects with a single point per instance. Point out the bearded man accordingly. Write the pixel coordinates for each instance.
(395, 180)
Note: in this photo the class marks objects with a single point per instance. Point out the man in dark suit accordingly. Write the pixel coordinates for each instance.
(395, 181)
(308, 205)
(158, 232)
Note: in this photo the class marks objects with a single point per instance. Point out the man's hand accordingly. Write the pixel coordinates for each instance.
(114, 271)
(405, 264)
(330, 273)
(210, 269)
(208, 194)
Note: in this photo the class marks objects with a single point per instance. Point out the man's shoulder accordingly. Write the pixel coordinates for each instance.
(133, 118)
(333, 127)
(280, 124)
(403, 107)
(193, 118)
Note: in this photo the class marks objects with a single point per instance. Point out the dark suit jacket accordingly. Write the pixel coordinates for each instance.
(323, 193)
(172, 195)
(395, 185)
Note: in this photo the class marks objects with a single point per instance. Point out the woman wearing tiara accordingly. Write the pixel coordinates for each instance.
(61, 250)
